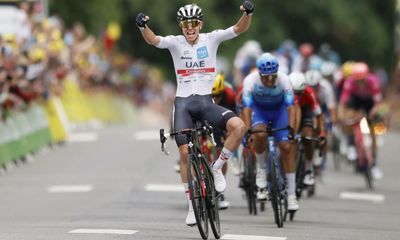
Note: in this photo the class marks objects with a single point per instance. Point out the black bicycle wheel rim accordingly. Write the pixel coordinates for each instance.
(276, 200)
(212, 201)
(198, 201)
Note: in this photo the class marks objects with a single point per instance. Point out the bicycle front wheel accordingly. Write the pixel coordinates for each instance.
(212, 200)
(251, 188)
(276, 198)
(197, 195)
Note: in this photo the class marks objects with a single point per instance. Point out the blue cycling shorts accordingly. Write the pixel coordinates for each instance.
(279, 118)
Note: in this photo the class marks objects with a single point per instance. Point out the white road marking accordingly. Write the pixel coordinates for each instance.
(250, 237)
(69, 188)
(164, 188)
(104, 231)
(362, 196)
(83, 137)
(147, 135)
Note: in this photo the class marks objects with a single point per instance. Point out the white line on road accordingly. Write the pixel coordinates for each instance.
(164, 188)
(362, 196)
(69, 188)
(147, 135)
(104, 231)
(250, 237)
(83, 137)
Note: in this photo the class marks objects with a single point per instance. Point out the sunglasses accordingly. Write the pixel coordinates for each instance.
(192, 22)
(269, 76)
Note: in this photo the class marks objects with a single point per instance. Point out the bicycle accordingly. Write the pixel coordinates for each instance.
(300, 167)
(276, 180)
(365, 159)
(248, 179)
(200, 178)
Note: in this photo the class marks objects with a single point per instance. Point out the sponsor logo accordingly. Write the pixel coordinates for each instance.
(202, 52)
(186, 58)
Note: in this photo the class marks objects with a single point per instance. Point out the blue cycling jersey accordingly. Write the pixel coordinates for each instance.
(256, 93)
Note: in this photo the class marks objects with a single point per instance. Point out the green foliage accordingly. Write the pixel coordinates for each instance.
(357, 29)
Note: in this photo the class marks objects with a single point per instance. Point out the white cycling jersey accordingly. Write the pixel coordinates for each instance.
(195, 65)
(326, 94)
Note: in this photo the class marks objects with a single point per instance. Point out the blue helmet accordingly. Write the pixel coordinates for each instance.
(267, 64)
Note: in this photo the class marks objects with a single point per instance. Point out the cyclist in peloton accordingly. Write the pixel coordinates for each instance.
(224, 96)
(268, 96)
(194, 58)
(362, 92)
(306, 99)
(327, 101)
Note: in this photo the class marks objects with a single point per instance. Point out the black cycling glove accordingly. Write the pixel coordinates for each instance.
(248, 7)
(141, 20)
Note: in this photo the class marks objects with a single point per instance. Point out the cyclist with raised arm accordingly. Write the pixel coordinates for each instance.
(268, 96)
(362, 92)
(194, 58)
(306, 99)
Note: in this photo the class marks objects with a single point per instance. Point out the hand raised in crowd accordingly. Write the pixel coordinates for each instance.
(247, 7)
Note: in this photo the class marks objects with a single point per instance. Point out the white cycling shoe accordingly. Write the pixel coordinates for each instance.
(293, 205)
(377, 174)
(190, 218)
(219, 180)
(222, 203)
(262, 195)
(309, 178)
(261, 178)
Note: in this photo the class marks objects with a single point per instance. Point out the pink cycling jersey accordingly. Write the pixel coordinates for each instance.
(368, 89)
(195, 65)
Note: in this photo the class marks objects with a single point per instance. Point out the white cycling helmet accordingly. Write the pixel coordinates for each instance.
(328, 68)
(298, 81)
(189, 11)
(313, 77)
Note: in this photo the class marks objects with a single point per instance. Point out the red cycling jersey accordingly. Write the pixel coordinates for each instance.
(308, 98)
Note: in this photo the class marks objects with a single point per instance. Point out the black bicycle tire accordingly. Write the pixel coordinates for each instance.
(212, 201)
(300, 171)
(252, 183)
(195, 193)
(275, 193)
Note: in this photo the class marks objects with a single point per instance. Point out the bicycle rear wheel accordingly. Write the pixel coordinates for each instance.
(197, 194)
(212, 201)
(276, 198)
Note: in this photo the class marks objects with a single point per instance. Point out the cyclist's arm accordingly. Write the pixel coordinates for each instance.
(243, 24)
(247, 100)
(149, 36)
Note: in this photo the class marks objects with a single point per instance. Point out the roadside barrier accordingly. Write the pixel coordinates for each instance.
(51, 121)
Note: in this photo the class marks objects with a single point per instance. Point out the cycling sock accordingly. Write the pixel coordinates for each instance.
(261, 159)
(223, 157)
(186, 185)
(291, 181)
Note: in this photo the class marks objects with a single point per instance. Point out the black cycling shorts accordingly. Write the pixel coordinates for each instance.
(358, 103)
(198, 107)
(307, 116)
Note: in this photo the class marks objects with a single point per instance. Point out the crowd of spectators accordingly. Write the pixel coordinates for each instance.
(36, 60)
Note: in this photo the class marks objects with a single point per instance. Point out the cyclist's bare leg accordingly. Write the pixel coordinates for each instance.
(183, 154)
(235, 130)
(288, 163)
